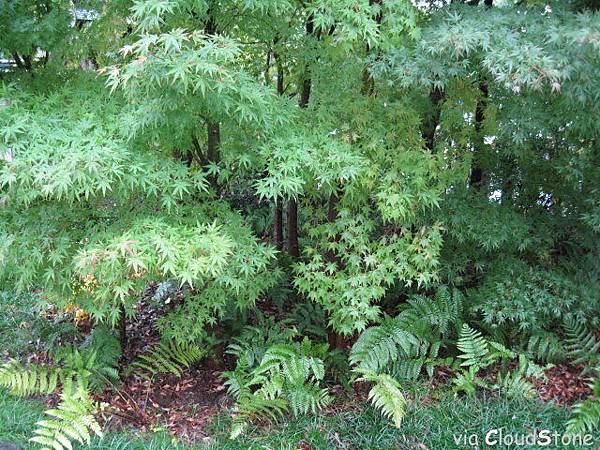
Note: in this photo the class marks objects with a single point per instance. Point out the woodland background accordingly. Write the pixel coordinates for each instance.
(371, 220)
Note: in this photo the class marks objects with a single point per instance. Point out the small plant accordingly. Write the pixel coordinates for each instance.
(478, 352)
(72, 419)
(287, 377)
(167, 357)
(581, 344)
(385, 394)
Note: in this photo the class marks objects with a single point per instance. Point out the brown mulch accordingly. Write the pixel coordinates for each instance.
(182, 406)
(565, 385)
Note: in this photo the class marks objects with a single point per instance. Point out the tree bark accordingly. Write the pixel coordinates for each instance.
(436, 96)
(278, 209)
(292, 229)
(477, 177)
(122, 326)
(278, 226)
(293, 247)
(214, 139)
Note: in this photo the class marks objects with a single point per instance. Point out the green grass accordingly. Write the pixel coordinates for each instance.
(429, 425)
(432, 425)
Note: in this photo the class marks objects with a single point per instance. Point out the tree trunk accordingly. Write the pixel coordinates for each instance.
(122, 326)
(278, 210)
(436, 96)
(278, 226)
(477, 177)
(292, 229)
(214, 139)
(292, 216)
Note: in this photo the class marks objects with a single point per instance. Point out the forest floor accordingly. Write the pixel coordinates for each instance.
(193, 411)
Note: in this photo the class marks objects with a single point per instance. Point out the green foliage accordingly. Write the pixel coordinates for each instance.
(309, 319)
(410, 342)
(478, 352)
(581, 344)
(167, 357)
(439, 313)
(26, 326)
(26, 381)
(30, 25)
(72, 419)
(288, 376)
(379, 346)
(532, 300)
(475, 349)
(586, 415)
(93, 366)
(368, 267)
(439, 160)
(385, 394)
(546, 346)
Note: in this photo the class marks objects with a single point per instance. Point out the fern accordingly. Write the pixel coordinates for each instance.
(168, 357)
(478, 353)
(250, 347)
(586, 415)
(581, 344)
(474, 348)
(515, 383)
(385, 394)
(467, 381)
(72, 419)
(252, 406)
(106, 345)
(309, 319)
(31, 380)
(307, 397)
(546, 346)
(436, 313)
(379, 346)
(288, 377)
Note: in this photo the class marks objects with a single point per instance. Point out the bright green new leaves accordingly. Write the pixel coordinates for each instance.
(385, 394)
(80, 151)
(152, 249)
(361, 267)
(304, 163)
(177, 77)
(410, 188)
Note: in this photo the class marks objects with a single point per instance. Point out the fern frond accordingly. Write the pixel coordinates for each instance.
(474, 347)
(171, 357)
(31, 380)
(307, 397)
(514, 384)
(586, 415)
(546, 346)
(252, 406)
(437, 312)
(580, 343)
(379, 346)
(72, 419)
(385, 395)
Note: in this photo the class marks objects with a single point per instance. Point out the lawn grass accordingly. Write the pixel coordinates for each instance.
(430, 424)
